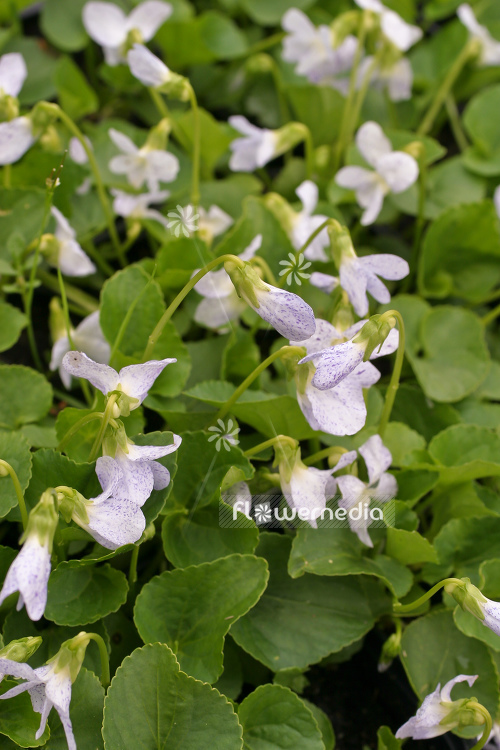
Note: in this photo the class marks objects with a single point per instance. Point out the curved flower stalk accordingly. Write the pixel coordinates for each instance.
(340, 409)
(142, 165)
(403, 35)
(489, 47)
(305, 488)
(87, 337)
(285, 311)
(29, 573)
(439, 714)
(137, 206)
(381, 486)
(393, 171)
(221, 303)
(131, 385)
(108, 25)
(319, 54)
(62, 250)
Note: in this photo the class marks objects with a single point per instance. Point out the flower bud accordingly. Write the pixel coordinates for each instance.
(9, 107)
(158, 136)
(281, 209)
(21, 649)
(57, 323)
(43, 520)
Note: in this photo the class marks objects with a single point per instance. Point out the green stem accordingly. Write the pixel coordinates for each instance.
(7, 171)
(264, 446)
(258, 261)
(101, 192)
(96, 256)
(467, 52)
(178, 299)
(77, 426)
(195, 183)
(106, 417)
(309, 150)
(396, 373)
(270, 41)
(126, 319)
(18, 489)
(363, 90)
(455, 122)
(487, 724)
(491, 316)
(73, 293)
(103, 653)
(284, 351)
(401, 609)
(159, 103)
(320, 455)
(67, 322)
(132, 572)
(282, 102)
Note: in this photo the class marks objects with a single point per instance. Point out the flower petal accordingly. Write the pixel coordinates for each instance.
(403, 35)
(13, 73)
(308, 195)
(136, 483)
(161, 475)
(105, 23)
(323, 337)
(354, 280)
(390, 267)
(353, 178)
(377, 457)
(109, 475)
(286, 312)
(399, 170)
(326, 411)
(115, 523)
(152, 452)
(148, 16)
(400, 81)
(16, 137)
(218, 313)
(334, 364)
(146, 67)
(324, 281)
(136, 380)
(102, 377)
(73, 261)
(123, 142)
(372, 143)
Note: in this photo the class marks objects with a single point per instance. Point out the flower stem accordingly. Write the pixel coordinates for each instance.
(103, 653)
(7, 468)
(101, 192)
(396, 373)
(195, 183)
(284, 351)
(73, 293)
(402, 609)
(77, 427)
(456, 125)
(67, 322)
(467, 52)
(309, 150)
(265, 445)
(106, 417)
(132, 572)
(363, 90)
(487, 724)
(7, 171)
(126, 319)
(155, 335)
(320, 455)
(491, 316)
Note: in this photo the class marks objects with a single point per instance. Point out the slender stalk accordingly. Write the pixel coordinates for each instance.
(270, 41)
(465, 55)
(320, 455)
(487, 724)
(108, 413)
(67, 322)
(312, 237)
(195, 183)
(491, 316)
(363, 90)
(132, 572)
(396, 373)
(77, 427)
(402, 609)
(6, 468)
(455, 122)
(419, 223)
(265, 445)
(309, 150)
(126, 319)
(96, 256)
(159, 102)
(7, 172)
(103, 653)
(101, 192)
(178, 299)
(284, 351)
(73, 293)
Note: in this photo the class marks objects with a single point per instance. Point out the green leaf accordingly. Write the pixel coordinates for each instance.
(460, 253)
(26, 396)
(197, 537)
(117, 296)
(409, 547)
(13, 322)
(401, 440)
(62, 24)
(192, 609)
(76, 97)
(270, 13)
(474, 628)
(464, 452)
(273, 716)
(15, 450)
(298, 622)
(318, 107)
(81, 594)
(386, 740)
(338, 552)
(479, 122)
(221, 35)
(87, 703)
(324, 723)
(434, 651)
(51, 469)
(41, 68)
(170, 707)
(201, 468)
(464, 543)
(18, 720)
(215, 138)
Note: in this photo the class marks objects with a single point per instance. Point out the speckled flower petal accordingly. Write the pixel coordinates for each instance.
(286, 312)
(29, 574)
(323, 337)
(136, 380)
(115, 523)
(161, 475)
(137, 480)
(335, 364)
(152, 452)
(377, 457)
(102, 377)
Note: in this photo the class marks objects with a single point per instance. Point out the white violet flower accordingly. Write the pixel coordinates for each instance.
(137, 206)
(393, 171)
(304, 223)
(221, 303)
(257, 147)
(13, 74)
(142, 165)
(381, 486)
(147, 68)
(489, 47)
(212, 223)
(87, 337)
(430, 719)
(107, 24)
(403, 35)
(16, 137)
(63, 251)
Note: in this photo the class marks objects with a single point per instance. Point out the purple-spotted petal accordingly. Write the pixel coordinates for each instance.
(335, 364)
(390, 267)
(152, 452)
(161, 475)
(323, 337)
(115, 523)
(286, 312)
(137, 480)
(377, 457)
(102, 377)
(109, 475)
(136, 380)
(29, 574)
